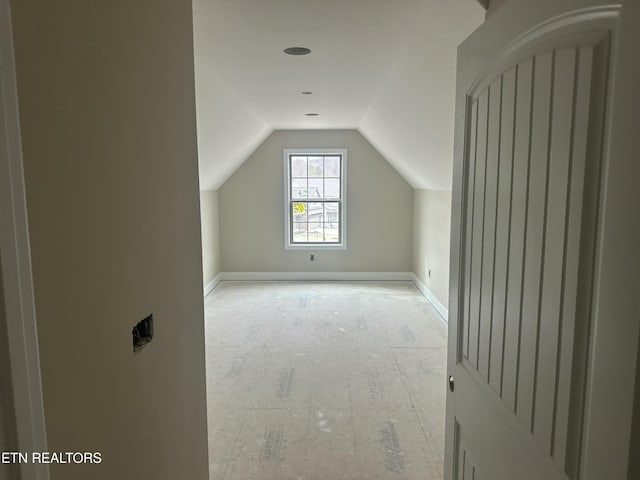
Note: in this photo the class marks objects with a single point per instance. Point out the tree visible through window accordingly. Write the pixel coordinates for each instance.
(315, 198)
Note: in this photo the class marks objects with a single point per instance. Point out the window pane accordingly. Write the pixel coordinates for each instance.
(331, 234)
(332, 188)
(299, 235)
(315, 232)
(299, 211)
(298, 166)
(301, 227)
(315, 167)
(316, 188)
(331, 166)
(331, 213)
(299, 188)
(315, 212)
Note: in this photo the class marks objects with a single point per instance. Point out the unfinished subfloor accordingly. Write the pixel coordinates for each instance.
(324, 381)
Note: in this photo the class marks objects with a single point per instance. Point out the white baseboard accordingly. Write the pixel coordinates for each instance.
(330, 276)
(438, 307)
(208, 288)
(317, 276)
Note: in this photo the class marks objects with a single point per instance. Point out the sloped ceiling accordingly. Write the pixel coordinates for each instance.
(385, 67)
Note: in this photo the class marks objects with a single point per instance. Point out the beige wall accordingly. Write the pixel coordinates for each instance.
(210, 235)
(107, 111)
(431, 235)
(379, 210)
(495, 5)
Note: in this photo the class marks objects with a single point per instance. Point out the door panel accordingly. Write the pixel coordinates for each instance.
(467, 468)
(489, 187)
(503, 207)
(521, 291)
(476, 226)
(516, 228)
(533, 247)
(538, 227)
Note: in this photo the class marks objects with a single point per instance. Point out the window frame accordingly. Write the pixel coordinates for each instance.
(342, 217)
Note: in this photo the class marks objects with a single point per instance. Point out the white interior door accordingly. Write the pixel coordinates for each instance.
(532, 209)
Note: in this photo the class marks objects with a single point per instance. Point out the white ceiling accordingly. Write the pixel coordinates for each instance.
(384, 67)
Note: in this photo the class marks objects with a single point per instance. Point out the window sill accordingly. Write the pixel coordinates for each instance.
(316, 246)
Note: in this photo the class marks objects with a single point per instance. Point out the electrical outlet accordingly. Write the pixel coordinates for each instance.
(142, 333)
(429, 273)
(312, 257)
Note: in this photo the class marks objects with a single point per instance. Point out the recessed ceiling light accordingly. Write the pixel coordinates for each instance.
(297, 51)
(306, 92)
(312, 114)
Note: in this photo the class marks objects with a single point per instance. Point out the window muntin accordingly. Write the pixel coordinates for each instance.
(315, 198)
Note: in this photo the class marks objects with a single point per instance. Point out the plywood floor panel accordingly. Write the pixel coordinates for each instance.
(319, 380)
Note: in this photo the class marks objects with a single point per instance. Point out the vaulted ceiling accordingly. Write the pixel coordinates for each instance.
(384, 67)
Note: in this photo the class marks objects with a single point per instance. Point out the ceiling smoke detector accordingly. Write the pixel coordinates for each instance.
(297, 51)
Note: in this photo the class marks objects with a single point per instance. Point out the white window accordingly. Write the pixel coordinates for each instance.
(315, 198)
